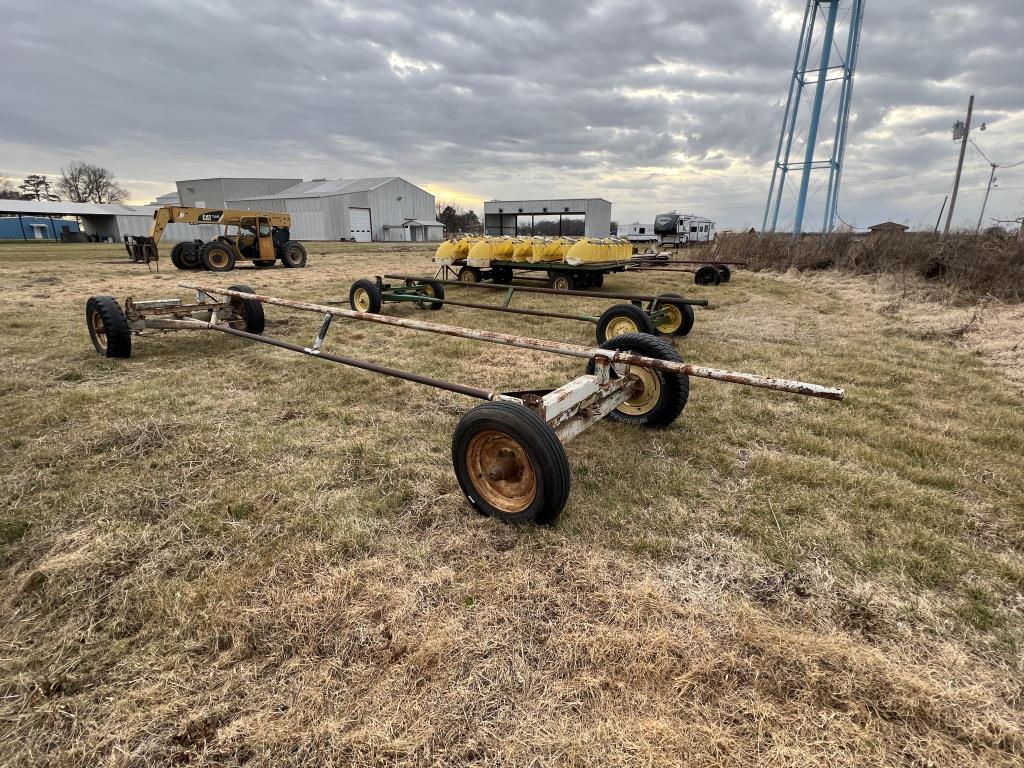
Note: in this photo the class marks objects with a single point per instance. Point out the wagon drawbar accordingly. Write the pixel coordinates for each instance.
(508, 453)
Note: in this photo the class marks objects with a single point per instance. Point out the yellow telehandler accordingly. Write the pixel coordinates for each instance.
(260, 237)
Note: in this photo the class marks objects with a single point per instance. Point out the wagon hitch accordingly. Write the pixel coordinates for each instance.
(508, 452)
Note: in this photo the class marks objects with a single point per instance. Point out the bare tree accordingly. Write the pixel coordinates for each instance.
(7, 190)
(37, 187)
(82, 182)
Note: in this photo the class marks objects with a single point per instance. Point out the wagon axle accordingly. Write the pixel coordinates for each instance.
(508, 453)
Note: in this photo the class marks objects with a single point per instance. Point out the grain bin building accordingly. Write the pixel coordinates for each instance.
(385, 209)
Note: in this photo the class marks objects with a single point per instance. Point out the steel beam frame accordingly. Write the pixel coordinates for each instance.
(807, 74)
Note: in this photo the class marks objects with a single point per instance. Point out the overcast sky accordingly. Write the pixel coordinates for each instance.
(653, 105)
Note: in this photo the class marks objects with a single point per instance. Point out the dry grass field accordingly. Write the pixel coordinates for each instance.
(221, 553)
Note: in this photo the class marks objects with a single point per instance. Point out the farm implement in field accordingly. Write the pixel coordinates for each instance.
(704, 271)
(668, 314)
(507, 453)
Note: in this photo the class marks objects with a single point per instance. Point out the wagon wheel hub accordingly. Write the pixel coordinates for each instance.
(361, 300)
(621, 325)
(646, 390)
(502, 470)
(99, 329)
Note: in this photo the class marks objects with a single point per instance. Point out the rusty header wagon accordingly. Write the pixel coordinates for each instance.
(507, 453)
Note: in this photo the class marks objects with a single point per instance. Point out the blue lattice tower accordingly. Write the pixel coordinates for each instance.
(822, 83)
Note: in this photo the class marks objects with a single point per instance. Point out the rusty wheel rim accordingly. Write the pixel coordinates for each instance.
(361, 300)
(645, 395)
(467, 276)
(218, 258)
(238, 312)
(672, 321)
(619, 326)
(561, 284)
(99, 330)
(501, 471)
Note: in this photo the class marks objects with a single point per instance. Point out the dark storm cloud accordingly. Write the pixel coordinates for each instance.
(650, 104)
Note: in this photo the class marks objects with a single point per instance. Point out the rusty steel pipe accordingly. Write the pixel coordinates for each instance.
(529, 289)
(678, 271)
(498, 308)
(418, 378)
(656, 260)
(541, 345)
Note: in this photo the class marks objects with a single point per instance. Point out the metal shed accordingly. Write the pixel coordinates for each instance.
(510, 217)
(107, 222)
(386, 209)
(214, 193)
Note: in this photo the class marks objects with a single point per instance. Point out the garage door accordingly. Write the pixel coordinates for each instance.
(359, 224)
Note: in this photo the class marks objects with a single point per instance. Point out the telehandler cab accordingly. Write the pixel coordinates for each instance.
(260, 237)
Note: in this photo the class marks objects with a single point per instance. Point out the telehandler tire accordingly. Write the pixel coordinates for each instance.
(293, 254)
(217, 257)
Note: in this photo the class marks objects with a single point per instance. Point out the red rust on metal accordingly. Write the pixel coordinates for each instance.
(542, 345)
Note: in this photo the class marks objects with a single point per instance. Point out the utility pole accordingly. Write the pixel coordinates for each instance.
(960, 164)
(991, 178)
(941, 211)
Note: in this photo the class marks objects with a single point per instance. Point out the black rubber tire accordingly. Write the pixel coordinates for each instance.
(293, 254)
(189, 255)
(540, 443)
(597, 280)
(376, 300)
(674, 387)
(254, 320)
(115, 326)
(469, 275)
(502, 275)
(215, 247)
(685, 309)
(561, 281)
(725, 272)
(436, 290)
(176, 256)
(635, 315)
(707, 275)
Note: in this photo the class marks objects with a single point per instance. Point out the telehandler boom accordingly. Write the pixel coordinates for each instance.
(261, 237)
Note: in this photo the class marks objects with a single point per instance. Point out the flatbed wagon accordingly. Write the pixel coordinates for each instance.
(558, 274)
(668, 314)
(508, 453)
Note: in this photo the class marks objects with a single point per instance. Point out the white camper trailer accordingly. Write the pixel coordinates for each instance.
(681, 229)
(636, 233)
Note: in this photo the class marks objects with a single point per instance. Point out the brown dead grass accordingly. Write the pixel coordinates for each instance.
(219, 554)
(962, 268)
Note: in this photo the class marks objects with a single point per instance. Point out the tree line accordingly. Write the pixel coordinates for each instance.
(80, 182)
(456, 220)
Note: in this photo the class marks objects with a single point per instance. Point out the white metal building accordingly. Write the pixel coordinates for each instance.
(214, 193)
(386, 209)
(510, 217)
